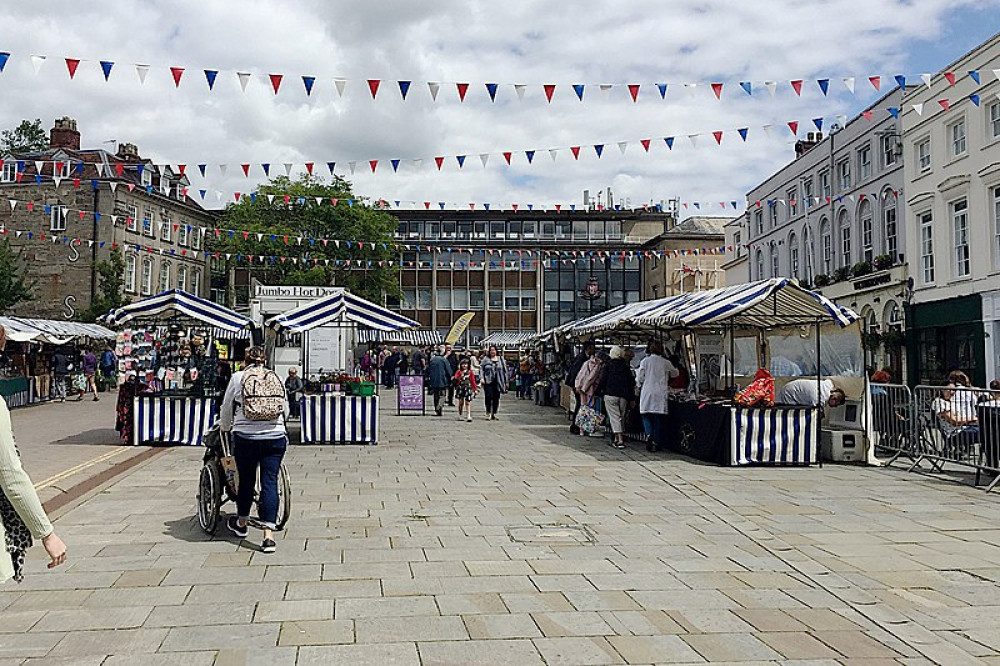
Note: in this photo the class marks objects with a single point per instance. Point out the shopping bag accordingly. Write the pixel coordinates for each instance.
(758, 393)
(589, 418)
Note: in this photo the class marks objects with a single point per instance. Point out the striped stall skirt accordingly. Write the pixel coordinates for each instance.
(775, 435)
(332, 418)
(172, 420)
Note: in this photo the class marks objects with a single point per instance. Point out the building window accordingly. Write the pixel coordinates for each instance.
(924, 155)
(891, 231)
(793, 256)
(182, 278)
(166, 231)
(758, 218)
(844, 175)
(496, 299)
(824, 183)
(960, 229)
(147, 221)
(195, 236)
(775, 263)
(772, 213)
(994, 127)
(793, 204)
(887, 145)
(57, 218)
(131, 218)
(737, 243)
(424, 299)
(164, 282)
(845, 239)
(183, 234)
(826, 243)
(956, 135)
(867, 232)
(864, 163)
(130, 273)
(807, 190)
(477, 299)
(996, 220)
(927, 247)
(760, 265)
(147, 176)
(147, 277)
(9, 172)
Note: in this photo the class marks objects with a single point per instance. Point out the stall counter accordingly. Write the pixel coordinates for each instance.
(17, 391)
(164, 419)
(332, 418)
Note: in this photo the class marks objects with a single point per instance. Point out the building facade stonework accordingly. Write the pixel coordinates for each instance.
(687, 257)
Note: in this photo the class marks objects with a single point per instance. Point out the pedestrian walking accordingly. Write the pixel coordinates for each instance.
(389, 366)
(495, 378)
(293, 386)
(574, 369)
(438, 379)
(452, 359)
(89, 373)
(524, 377)
(22, 518)
(419, 361)
(653, 378)
(476, 365)
(465, 389)
(617, 388)
(254, 410)
(109, 364)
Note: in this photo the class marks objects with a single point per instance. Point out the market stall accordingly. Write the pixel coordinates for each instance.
(723, 336)
(172, 347)
(338, 407)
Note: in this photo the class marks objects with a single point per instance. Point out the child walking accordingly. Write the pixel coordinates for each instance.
(465, 389)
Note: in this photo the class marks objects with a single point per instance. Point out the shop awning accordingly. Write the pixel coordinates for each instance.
(343, 307)
(179, 303)
(417, 337)
(52, 331)
(507, 339)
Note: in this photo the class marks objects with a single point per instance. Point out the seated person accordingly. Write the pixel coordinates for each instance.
(956, 419)
(810, 393)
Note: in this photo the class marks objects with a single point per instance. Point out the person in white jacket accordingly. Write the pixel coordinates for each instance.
(654, 373)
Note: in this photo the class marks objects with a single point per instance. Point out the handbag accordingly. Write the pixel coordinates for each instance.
(16, 533)
(589, 418)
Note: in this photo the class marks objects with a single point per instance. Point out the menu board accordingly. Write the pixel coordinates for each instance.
(410, 396)
(323, 350)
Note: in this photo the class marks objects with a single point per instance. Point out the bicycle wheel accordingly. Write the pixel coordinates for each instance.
(209, 497)
(284, 498)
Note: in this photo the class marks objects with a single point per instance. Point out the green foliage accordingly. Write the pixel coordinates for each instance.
(14, 284)
(359, 223)
(883, 262)
(25, 138)
(822, 280)
(861, 268)
(110, 287)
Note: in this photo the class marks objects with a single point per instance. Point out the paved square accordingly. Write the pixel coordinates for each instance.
(513, 542)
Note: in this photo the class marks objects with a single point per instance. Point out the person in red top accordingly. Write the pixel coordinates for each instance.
(680, 382)
(465, 389)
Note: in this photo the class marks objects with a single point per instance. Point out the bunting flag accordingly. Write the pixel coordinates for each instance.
(747, 87)
(307, 83)
(36, 62)
(340, 85)
(824, 86)
(177, 73)
(578, 88)
(717, 89)
(373, 85)
(901, 81)
(244, 79)
(210, 76)
(4, 57)
(662, 87)
(106, 66)
(549, 90)
(849, 83)
(433, 88)
(491, 89)
(876, 82)
(462, 88)
(275, 81)
(797, 87)
(950, 77)
(404, 88)
(71, 65)
(633, 90)
(926, 78)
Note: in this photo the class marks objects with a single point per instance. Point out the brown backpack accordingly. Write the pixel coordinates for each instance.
(263, 394)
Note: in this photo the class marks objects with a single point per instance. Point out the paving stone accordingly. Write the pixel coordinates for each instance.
(125, 617)
(499, 568)
(32, 644)
(215, 575)
(221, 637)
(316, 632)
(109, 641)
(294, 572)
(206, 594)
(254, 656)
(709, 621)
(574, 623)
(138, 596)
(602, 600)
(19, 622)
(185, 658)
(856, 644)
(798, 645)
(501, 626)
(577, 651)
(395, 654)
(410, 629)
(347, 609)
(654, 649)
(536, 602)
(147, 578)
(480, 653)
(642, 623)
(770, 620)
(281, 611)
(194, 615)
(333, 589)
(730, 647)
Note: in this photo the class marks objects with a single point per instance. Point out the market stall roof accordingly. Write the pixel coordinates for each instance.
(419, 337)
(340, 306)
(507, 339)
(763, 304)
(21, 329)
(177, 302)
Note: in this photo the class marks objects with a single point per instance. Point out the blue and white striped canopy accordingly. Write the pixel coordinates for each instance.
(340, 306)
(764, 304)
(177, 302)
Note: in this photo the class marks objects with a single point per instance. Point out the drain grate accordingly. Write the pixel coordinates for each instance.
(552, 534)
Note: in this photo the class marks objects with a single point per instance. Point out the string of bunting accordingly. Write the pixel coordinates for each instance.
(405, 87)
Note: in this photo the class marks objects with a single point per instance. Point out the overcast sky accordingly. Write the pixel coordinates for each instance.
(448, 41)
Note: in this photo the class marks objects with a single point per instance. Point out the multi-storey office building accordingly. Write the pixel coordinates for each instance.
(833, 219)
(951, 131)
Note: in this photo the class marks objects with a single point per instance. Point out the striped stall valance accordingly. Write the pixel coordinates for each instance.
(340, 306)
(179, 303)
(416, 337)
(508, 339)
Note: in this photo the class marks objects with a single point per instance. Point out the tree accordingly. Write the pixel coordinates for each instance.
(364, 234)
(14, 284)
(25, 138)
(111, 284)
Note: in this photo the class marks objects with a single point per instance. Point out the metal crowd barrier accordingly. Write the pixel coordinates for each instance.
(939, 425)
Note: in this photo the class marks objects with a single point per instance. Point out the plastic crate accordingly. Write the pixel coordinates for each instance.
(362, 388)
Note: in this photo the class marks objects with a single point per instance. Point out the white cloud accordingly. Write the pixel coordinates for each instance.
(526, 42)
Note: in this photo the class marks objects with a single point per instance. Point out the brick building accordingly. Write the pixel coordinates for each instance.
(67, 208)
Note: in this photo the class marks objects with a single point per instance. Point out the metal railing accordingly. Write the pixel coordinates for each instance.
(939, 425)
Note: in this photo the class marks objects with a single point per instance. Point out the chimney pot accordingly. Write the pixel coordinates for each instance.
(64, 134)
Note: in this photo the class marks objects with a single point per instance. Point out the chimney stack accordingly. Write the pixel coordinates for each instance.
(803, 147)
(128, 152)
(64, 134)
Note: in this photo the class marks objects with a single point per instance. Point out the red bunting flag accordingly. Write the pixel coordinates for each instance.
(373, 164)
(867, 115)
(633, 90)
(82, 213)
(119, 169)
(275, 81)
(718, 137)
(472, 206)
(71, 65)
(717, 89)
(506, 156)
(177, 73)
(246, 170)
(549, 89)
(876, 82)
(427, 205)
(181, 168)
(945, 104)
(309, 167)
(514, 207)
(373, 85)
(950, 76)
(334, 200)
(236, 196)
(558, 208)
(439, 161)
(794, 126)
(576, 152)
(645, 144)
(462, 89)
(287, 198)
(797, 87)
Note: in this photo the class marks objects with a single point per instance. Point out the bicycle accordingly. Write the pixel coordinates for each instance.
(217, 484)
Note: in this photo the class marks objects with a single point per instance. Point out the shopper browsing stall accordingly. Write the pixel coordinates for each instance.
(495, 379)
(653, 378)
(617, 387)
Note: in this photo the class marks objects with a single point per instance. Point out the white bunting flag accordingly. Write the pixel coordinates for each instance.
(690, 88)
(519, 89)
(244, 79)
(100, 169)
(319, 201)
(37, 61)
(772, 87)
(842, 120)
(485, 157)
(849, 83)
(340, 84)
(90, 243)
(926, 78)
(114, 220)
(270, 198)
(38, 167)
(13, 204)
(218, 195)
(996, 73)
(417, 164)
(623, 146)
(769, 131)
(351, 166)
(222, 169)
(58, 180)
(433, 87)
(605, 89)
(141, 71)
(694, 140)
(919, 108)
(260, 237)
(288, 169)
(553, 152)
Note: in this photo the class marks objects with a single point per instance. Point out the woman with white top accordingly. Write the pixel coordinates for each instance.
(653, 377)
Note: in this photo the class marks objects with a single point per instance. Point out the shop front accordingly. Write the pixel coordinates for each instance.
(948, 335)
